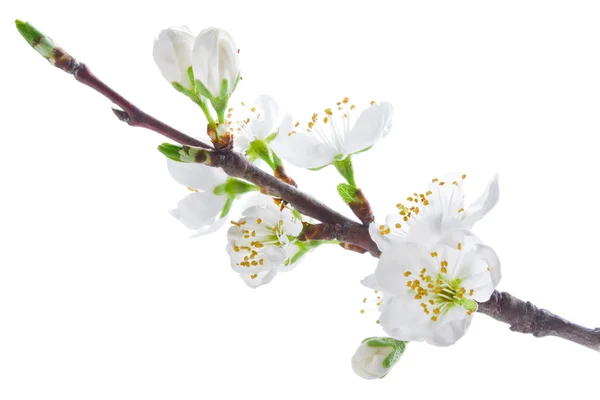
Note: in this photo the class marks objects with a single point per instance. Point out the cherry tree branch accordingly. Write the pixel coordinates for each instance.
(523, 316)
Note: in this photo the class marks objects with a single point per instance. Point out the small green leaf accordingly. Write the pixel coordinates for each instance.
(170, 151)
(29, 33)
(347, 192)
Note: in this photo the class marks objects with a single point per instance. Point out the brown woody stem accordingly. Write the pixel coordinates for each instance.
(523, 316)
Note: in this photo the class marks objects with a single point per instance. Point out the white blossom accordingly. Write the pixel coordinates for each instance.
(259, 120)
(337, 133)
(262, 243)
(430, 294)
(173, 55)
(200, 210)
(426, 217)
(215, 62)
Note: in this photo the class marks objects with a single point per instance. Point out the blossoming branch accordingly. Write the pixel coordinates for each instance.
(433, 273)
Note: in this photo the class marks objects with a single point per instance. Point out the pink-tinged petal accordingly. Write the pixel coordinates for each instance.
(373, 124)
(483, 204)
(196, 176)
(267, 108)
(303, 150)
(199, 210)
(395, 262)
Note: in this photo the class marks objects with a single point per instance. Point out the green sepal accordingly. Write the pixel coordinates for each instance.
(259, 149)
(398, 347)
(306, 247)
(346, 169)
(29, 33)
(234, 187)
(347, 192)
(227, 206)
(272, 136)
(468, 304)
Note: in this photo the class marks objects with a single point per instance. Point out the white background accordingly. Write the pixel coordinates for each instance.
(102, 294)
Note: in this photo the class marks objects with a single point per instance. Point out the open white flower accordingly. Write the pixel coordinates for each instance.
(426, 217)
(216, 63)
(173, 55)
(201, 210)
(376, 356)
(262, 243)
(257, 121)
(338, 133)
(430, 294)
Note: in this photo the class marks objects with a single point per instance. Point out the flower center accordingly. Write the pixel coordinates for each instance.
(256, 236)
(332, 127)
(438, 294)
(419, 203)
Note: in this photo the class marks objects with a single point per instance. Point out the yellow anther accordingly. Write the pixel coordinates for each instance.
(362, 311)
(434, 180)
(471, 292)
(434, 318)
(461, 210)
(325, 120)
(328, 111)
(459, 246)
(442, 183)
(464, 176)
(407, 274)
(372, 102)
(434, 254)
(398, 226)
(258, 220)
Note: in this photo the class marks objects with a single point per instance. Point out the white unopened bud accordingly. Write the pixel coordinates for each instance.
(376, 356)
(173, 55)
(216, 63)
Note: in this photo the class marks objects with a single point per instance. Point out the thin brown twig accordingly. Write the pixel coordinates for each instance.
(523, 316)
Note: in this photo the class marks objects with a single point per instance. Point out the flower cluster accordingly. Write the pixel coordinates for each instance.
(433, 270)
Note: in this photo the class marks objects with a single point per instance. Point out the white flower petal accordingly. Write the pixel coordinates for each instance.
(401, 259)
(448, 333)
(303, 150)
(367, 361)
(198, 210)
(259, 278)
(267, 108)
(172, 53)
(196, 176)
(215, 226)
(214, 59)
(373, 124)
(483, 204)
(371, 282)
(404, 320)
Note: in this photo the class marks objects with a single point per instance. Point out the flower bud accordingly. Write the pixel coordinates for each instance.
(376, 356)
(173, 55)
(45, 46)
(216, 63)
